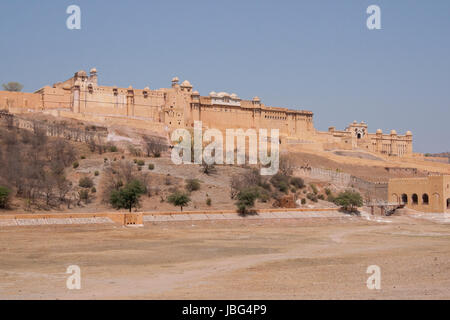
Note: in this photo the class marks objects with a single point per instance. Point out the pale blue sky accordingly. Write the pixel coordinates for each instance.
(314, 55)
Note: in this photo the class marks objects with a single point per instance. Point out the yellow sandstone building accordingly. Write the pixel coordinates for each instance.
(163, 110)
(428, 194)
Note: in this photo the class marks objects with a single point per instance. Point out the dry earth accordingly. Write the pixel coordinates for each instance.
(251, 259)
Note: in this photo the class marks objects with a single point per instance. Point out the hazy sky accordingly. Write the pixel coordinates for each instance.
(314, 55)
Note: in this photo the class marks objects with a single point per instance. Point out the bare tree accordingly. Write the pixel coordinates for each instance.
(287, 165)
(154, 146)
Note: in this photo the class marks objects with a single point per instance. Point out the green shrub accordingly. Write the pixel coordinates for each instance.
(86, 183)
(321, 197)
(281, 182)
(83, 157)
(266, 186)
(96, 173)
(112, 149)
(128, 196)
(208, 202)
(135, 160)
(192, 185)
(179, 199)
(263, 195)
(314, 188)
(84, 195)
(297, 182)
(246, 199)
(151, 166)
(140, 163)
(327, 191)
(303, 201)
(5, 194)
(349, 200)
(312, 197)
(76, 164)
(93, 190)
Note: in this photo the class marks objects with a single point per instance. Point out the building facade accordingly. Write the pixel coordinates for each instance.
(179, 106)
(429, 194)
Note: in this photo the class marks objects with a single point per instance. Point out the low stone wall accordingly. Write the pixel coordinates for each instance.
(373, 190)
(126, 218)
(53, 129)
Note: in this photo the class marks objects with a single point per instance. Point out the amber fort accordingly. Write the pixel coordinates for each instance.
(179, 106)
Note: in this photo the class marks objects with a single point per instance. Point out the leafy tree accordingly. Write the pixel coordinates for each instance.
(179, 199)
(13, 86)
(128, 196)
(4, 197)
(349, 200)
(246, 199)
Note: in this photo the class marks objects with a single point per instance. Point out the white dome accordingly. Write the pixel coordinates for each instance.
(175, 79)
(234, 96)
(223, 94)
(186, 83)
(93, 70)
(393, 132)
(213, 94)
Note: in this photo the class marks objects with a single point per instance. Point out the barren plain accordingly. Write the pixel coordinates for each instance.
(319, 258)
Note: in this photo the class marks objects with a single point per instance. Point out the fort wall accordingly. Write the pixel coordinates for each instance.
(179, 106)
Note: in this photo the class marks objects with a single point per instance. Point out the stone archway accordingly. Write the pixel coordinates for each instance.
(425, 199)
(404, 198)
(435, 202)
(415, 199)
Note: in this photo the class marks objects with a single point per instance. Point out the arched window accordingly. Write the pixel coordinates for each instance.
(448, 203)
(404, 198)
(415, 199)
(425, 199)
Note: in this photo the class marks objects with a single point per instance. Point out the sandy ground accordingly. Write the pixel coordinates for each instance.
(251, 259)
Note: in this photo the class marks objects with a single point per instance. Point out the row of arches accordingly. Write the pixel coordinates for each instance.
(434, 200)
(415, 199)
